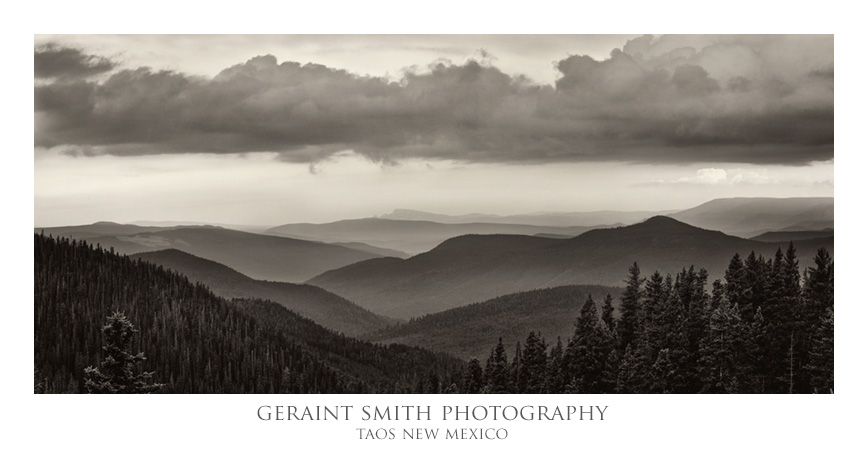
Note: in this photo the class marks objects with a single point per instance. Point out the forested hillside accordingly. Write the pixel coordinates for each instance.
(475, 268)
(326, 309)
(195, 341)
(468, 331)
(763, 329)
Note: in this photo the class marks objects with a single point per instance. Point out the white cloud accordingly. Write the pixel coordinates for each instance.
(706, 176)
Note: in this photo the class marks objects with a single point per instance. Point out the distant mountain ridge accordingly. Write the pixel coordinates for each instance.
(324, 308)
(412, 237)
(468, 331)
(471, 269)
(263, 257)
(794, 236)
(752, 216)
(543, 219)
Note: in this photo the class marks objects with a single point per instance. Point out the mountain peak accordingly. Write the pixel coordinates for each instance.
(662, 224)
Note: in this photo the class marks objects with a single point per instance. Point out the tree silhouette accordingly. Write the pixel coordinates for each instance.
(115, 372)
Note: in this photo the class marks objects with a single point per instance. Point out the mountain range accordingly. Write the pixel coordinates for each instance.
(543, 219)
(469, 331)
(752, 216)
(263, 257)
(474, 268)
(326, 309)
(408, 236)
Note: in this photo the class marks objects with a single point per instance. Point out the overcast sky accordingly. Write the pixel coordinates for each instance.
(280, 129)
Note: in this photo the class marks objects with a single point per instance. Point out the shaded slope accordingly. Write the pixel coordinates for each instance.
(324, 308)
(195, 341)
(441, 279)
(744, 216)
(780, 236)
(411, 237)
(469, 331)
(261, 257)
(475, 268)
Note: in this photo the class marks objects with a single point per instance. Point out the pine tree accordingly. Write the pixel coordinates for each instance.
(497, 370)
(555, 379)
(115, 372)
(717, 294)
(629, 373)
(735, 281)
(818, 301)
(719, 352)
(628, 324)
(473, 379)
(532, 373)
(822, 355)
(607, 313)
(586, 353)
(820, 287)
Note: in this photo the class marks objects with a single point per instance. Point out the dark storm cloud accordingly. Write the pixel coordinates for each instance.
(50, 61)
(766, 99)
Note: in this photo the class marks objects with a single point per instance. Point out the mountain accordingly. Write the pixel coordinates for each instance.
(794, 236)
(263, 257)
(195, 341)
(252, 228)
(469, 331)
(97, 229)
(743, 216)
(471, 268)
(324, 308)
(381, 251)
(543, 219)
(411, 237)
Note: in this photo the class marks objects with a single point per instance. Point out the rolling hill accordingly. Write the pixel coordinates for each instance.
(324, 308)
(97, 229)
(543, 219)
(469, 331)
(471, 268)
(794, 236)
(263, 257)
(751, 216)
(412, 237)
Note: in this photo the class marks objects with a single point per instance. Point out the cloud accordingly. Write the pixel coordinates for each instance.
(707, 176)
(781, 175)
(742, 99)
(54, 61)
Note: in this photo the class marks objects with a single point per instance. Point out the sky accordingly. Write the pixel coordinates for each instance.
(282, 129)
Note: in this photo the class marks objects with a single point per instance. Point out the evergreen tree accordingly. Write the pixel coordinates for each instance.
(555, 378)
(532, 372)
(515, 369)
(628, 324)
(629, 373)
(735, 288)
(819, 287)
(115, 372)
(818, 301)
(717, 293)
(822, 355)
(780, 314)
(473, 378)
(497, 370)
(608, 313)
(719, 352)
(587, 352)
(433, 386)
(756, 285)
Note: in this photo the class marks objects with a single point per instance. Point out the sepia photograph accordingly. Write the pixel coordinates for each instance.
(434, 214)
